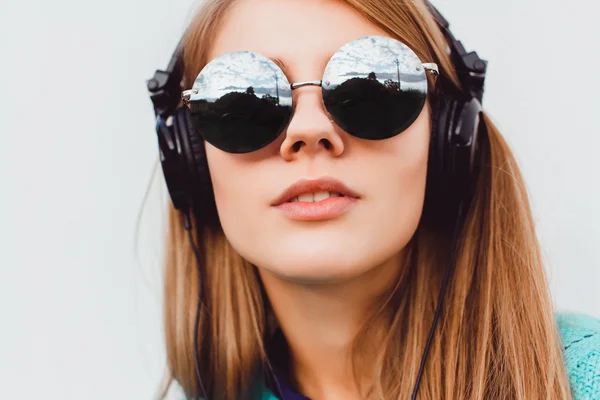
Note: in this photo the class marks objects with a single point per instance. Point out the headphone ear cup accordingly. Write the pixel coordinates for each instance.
(438, 168)
(456, 125)
(464, 136)
(173, 163)
(200, 184)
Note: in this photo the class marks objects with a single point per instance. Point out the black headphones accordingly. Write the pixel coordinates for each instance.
(455, 129)
(456, 126)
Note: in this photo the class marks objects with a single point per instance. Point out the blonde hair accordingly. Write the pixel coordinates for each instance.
(497, 337)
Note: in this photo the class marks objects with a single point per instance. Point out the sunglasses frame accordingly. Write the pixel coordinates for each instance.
(331, 71)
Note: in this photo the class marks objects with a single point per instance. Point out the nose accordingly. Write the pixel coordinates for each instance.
(310, 130)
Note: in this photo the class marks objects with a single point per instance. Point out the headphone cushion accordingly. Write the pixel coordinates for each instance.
(455, 128)
(196, 163)
(196, 149)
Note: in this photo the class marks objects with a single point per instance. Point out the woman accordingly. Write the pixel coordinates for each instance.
(326, 223)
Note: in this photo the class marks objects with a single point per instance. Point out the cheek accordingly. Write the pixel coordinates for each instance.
(237, 188)
(401, 161)
(227, 176)
(399, 188)
(410, 169)
(413, 149)
(220, 167)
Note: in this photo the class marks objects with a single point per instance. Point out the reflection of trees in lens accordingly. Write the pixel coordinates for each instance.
(240, 122)
(271, 99)
(391, 85)
(369, 109)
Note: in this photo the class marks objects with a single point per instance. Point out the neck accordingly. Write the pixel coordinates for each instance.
(320, 322)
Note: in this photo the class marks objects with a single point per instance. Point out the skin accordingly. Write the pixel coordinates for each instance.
(322, 277)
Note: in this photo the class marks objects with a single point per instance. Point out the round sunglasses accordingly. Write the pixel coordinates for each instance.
(374, 87)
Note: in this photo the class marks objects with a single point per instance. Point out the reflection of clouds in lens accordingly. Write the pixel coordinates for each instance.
(237, 72)
(388, 58)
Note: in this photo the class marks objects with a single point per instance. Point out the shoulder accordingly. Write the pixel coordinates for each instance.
(580, 336)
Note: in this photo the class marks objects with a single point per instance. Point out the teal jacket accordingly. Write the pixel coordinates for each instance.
(581, 345)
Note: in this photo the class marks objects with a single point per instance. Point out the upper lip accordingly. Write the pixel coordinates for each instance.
(303, 186)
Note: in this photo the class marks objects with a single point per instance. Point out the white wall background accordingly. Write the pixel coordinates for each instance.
(80, 317)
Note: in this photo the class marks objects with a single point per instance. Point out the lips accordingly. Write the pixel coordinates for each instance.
(306, 186)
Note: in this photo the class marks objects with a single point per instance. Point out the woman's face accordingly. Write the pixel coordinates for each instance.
(388, 176)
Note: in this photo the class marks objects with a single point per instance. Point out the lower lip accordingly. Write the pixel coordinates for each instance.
(325, 209)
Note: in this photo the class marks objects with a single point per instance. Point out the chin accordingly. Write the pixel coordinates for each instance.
(316, 274)
(327, 265)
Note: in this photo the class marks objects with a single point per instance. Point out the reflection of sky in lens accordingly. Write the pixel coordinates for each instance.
(387, 57)
(236, 71)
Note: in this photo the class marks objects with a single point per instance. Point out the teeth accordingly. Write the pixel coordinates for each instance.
(315, 197)
(308, 197)
(320, 196)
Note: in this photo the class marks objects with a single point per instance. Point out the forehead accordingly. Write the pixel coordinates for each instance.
(303, 34)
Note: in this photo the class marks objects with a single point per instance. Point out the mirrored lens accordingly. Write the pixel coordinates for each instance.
(240, 102)
(374, 87)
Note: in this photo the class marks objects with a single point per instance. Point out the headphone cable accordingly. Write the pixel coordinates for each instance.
(438, 308)
(187, 223)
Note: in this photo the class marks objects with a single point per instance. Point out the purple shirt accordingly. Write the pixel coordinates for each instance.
(287, 391)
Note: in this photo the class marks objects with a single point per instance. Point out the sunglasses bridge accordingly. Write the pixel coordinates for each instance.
(307, 83)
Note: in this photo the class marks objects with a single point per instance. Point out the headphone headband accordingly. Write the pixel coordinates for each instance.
(470, 68)
(165, 86)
